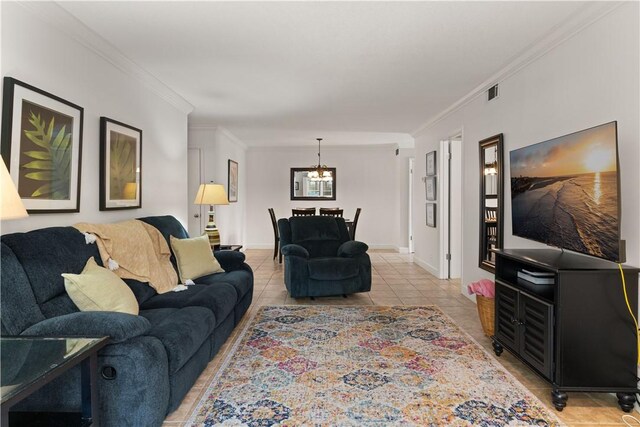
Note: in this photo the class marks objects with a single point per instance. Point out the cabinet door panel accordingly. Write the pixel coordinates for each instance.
(506, 316)
(536, 333)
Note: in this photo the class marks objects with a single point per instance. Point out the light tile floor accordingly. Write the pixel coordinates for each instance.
(398, 281)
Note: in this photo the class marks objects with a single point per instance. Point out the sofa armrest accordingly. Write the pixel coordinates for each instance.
(295, 250)
(230, 260)
(352, 248)
(119, 326)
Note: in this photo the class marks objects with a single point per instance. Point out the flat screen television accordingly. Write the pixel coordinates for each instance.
(565, 192)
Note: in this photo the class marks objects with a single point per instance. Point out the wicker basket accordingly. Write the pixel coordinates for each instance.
(486, 311)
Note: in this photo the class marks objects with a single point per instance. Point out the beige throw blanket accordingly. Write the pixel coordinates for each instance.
(139, 249)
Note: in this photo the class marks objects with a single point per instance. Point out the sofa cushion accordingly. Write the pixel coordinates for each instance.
(100, 289)
(220, 299)
(168, 226)
(47, 253)
(319, 235)
(332, 268)
(142, 291)
(241, 280)
(182, 331)
(18, 304)
(194, 257)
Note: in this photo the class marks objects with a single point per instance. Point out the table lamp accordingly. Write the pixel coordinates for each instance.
(212, 194)
(11, 206)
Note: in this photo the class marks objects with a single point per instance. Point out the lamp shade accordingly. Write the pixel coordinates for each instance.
(211, 194)
(11, 206)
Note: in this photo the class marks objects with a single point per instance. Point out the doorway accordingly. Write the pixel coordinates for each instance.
(410, 219)
(194, 179)
(451, 209)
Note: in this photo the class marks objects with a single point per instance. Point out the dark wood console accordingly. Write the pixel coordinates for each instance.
(577, 332)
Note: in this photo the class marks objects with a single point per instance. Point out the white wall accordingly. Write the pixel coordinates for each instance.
(37, 53)
(590, 79)
(368, 177)
(218, 146)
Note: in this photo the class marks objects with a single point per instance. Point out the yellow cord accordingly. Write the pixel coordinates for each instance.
(626, 299)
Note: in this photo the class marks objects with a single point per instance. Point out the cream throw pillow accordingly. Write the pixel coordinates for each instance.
(194, 257)
(99, 289)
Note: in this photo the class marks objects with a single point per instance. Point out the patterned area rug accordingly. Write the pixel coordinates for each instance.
(363, 366)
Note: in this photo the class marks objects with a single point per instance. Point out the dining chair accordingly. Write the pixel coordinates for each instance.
(276, 247)
(331, 212)
(354, 224)
(303, 211)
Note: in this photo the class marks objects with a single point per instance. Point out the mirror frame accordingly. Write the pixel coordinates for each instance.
(497, 141)
(291, 185)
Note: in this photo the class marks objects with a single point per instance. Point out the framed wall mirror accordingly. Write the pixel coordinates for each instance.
(491, 200)
(303, 187)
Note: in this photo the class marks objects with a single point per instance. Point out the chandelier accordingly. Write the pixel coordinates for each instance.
(319, 172)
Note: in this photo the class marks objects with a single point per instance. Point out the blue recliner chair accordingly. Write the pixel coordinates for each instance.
(320, 258)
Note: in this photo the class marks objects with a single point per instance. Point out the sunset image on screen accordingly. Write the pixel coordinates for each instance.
(565, 192)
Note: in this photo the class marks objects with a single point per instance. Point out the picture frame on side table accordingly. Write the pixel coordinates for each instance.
(120, 166)
(41, 144)
(431, 163)
(430, 188)
(232, 182)
(431, 215)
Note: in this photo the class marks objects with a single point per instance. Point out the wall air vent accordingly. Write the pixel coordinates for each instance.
(492, 93)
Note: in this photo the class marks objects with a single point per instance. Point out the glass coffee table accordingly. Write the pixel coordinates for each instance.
(28, 363)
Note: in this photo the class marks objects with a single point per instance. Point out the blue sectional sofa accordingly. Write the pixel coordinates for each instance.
(153, 359)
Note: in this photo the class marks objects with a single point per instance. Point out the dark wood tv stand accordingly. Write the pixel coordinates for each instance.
(576, 333)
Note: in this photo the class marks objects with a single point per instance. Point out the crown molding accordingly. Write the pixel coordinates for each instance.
(63, 21)
(390, 147)
(589, 14)
(216, 128)
(233, 138)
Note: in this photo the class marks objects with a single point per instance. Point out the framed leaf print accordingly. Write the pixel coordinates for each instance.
(42, 147)
(120, 166)
(232, 178)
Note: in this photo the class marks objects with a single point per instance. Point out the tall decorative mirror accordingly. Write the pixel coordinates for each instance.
(306, 184)
(491, 200)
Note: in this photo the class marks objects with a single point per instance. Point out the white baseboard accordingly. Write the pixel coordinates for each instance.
(385, 247)
(259, 246)
(431, 269)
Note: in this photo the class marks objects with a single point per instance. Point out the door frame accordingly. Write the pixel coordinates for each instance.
(449, 164)
(200, 168)
(412, 161)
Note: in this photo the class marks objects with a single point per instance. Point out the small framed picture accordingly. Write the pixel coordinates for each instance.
(431, 215)
(430, 186)
(232, 182)
(42, 147)
(120, 166)
(431, 163)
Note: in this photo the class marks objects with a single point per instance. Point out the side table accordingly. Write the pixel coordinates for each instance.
(28, 363)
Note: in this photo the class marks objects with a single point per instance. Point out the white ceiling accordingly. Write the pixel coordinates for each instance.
(284, 73)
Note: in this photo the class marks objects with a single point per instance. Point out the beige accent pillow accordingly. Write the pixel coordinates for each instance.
(194, 257)
(99, 289)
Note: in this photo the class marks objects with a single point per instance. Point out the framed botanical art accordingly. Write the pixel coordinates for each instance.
(120, 166)
(430, 186)
(431, 215)
(431, 163)
(232, 181)
(42, 147)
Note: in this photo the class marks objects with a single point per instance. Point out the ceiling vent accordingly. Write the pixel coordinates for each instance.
(492, 93)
